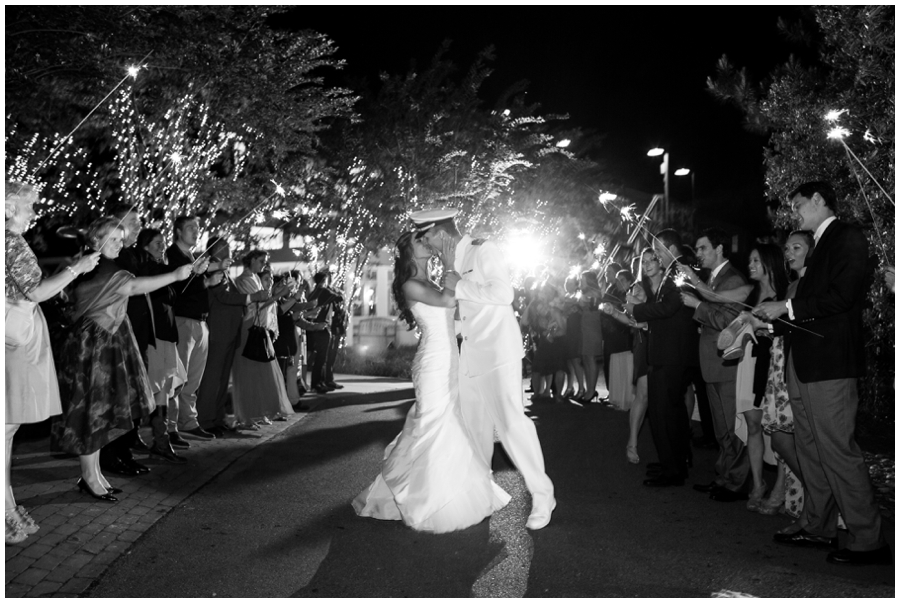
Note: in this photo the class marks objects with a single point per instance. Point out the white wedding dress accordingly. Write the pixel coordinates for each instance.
(431, 477)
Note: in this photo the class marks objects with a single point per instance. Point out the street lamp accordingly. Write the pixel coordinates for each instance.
(685, 172)
(664, 170)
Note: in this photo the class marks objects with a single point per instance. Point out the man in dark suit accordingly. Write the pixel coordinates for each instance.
(714, 313)
(226, 312)
(319, 341)
(822, 372)
(673, 335)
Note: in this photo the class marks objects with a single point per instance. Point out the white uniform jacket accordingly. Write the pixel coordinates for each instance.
(491, 335)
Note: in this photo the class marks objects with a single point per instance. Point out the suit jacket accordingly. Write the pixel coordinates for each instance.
(829, 301)
(226, 311)
(491, 335)
(713, 317)
(673, 332)
(139, 313)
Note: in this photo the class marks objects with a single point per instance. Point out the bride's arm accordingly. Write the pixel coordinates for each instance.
(416, 291)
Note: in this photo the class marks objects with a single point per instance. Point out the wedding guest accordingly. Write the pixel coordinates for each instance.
(616, 336)
(287, 344)
(642, 290)
(103, 382)
(822, 374)
(319, 341)
(591, 335)
(547, 325)
(116, 457)
(778, 419)
(32, 393)
(258, 387)
(164, 367)
(572, 308)
(226, 315)
(621, 364)
(767, 273)
(191, 310)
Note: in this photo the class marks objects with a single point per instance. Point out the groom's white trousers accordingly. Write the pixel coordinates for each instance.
(494, 401)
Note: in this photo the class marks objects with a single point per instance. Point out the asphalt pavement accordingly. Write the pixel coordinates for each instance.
(277, 522)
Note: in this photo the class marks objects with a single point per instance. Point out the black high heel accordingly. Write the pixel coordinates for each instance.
(82, 485)
(112, 490)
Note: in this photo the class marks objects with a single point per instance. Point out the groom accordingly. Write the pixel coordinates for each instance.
(490, 362)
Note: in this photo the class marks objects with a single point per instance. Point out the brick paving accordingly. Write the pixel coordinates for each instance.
(79, 538)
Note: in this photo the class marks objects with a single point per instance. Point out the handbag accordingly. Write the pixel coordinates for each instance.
(259, 346)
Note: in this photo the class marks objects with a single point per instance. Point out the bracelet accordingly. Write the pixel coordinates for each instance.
(70, 269)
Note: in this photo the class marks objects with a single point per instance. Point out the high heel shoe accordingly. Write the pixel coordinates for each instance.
(569, 393)
(112, 490)
(631, 453)
(756, 496)
(82, 485)
(29, 525)
(734, 337)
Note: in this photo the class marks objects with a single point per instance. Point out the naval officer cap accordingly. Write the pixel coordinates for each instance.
(429, 218)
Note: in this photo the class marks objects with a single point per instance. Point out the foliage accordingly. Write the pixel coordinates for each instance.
(256, 83)
(852, 70)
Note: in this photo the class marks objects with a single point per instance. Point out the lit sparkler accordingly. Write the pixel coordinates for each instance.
(627, 213)
(834, 114)
(132, 72)
(838, 133)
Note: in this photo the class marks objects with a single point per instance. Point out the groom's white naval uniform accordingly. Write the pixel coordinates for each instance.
(490, 364)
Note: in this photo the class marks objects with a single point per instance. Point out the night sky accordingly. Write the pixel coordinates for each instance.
(635, 74)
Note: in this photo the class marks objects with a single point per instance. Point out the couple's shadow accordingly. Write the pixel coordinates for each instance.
(375, 558)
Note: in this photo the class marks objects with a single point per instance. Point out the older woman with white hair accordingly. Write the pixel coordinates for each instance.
(32, 394)
(103, 380)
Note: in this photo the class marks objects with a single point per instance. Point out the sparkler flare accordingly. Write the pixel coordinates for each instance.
(176, 158)
(581, 236)
(868, 137)
(133, 71)
(834, 114)
(680, 280)
(574, 271)
(599, 249)
(279, 190)
(627, 213)
(838, 133)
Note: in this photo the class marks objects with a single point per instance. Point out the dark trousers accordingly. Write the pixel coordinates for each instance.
(695, 376)
(333, 347)
(212, 396)
(318, 344)
(668, 418)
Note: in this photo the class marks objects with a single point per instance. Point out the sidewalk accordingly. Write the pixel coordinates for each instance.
(80, 538)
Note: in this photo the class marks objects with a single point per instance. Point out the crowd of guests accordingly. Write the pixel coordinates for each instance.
(151, 336)
(772, 362)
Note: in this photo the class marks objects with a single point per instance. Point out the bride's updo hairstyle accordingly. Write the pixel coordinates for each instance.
(404, 269)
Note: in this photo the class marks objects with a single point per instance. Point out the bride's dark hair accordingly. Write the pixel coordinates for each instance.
(404, 269)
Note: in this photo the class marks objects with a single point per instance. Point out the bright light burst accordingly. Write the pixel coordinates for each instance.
(838, 133)
(834, 114)
(595, 265)
(562, 144)
(680, 280)
(176, 158)
(523, 251)
(279, 190)
(627, 213)
(574, 271)
(599, 250)
(133, 70)
(581, 236)
(869, 137)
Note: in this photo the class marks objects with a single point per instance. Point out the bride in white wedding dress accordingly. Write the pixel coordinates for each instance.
(431, 478)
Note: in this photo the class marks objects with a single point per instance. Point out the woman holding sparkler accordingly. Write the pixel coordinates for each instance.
(103, 382)
(766, 271)
(778, 420)
(259, 390)
(32, 394)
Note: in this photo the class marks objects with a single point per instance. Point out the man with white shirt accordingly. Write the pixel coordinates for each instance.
(824, 361)
(490, 363)
(714, 313)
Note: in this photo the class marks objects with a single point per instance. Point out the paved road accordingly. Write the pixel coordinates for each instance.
(278, 523)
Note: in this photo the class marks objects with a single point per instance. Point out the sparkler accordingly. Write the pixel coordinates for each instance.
(875, 223)
(278, 191)
(132, 72)
(681, 280)
(839, 133)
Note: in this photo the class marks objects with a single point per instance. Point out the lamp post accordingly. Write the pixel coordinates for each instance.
(685, 172)
(664, 170)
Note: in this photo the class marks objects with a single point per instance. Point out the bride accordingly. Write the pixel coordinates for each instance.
(431, 477)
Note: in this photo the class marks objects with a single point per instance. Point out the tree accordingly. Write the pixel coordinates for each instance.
(260, 86)
(850, 70)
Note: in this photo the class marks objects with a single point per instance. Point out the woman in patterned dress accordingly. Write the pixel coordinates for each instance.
(32, 394)
(103, 381)
(777, 420)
